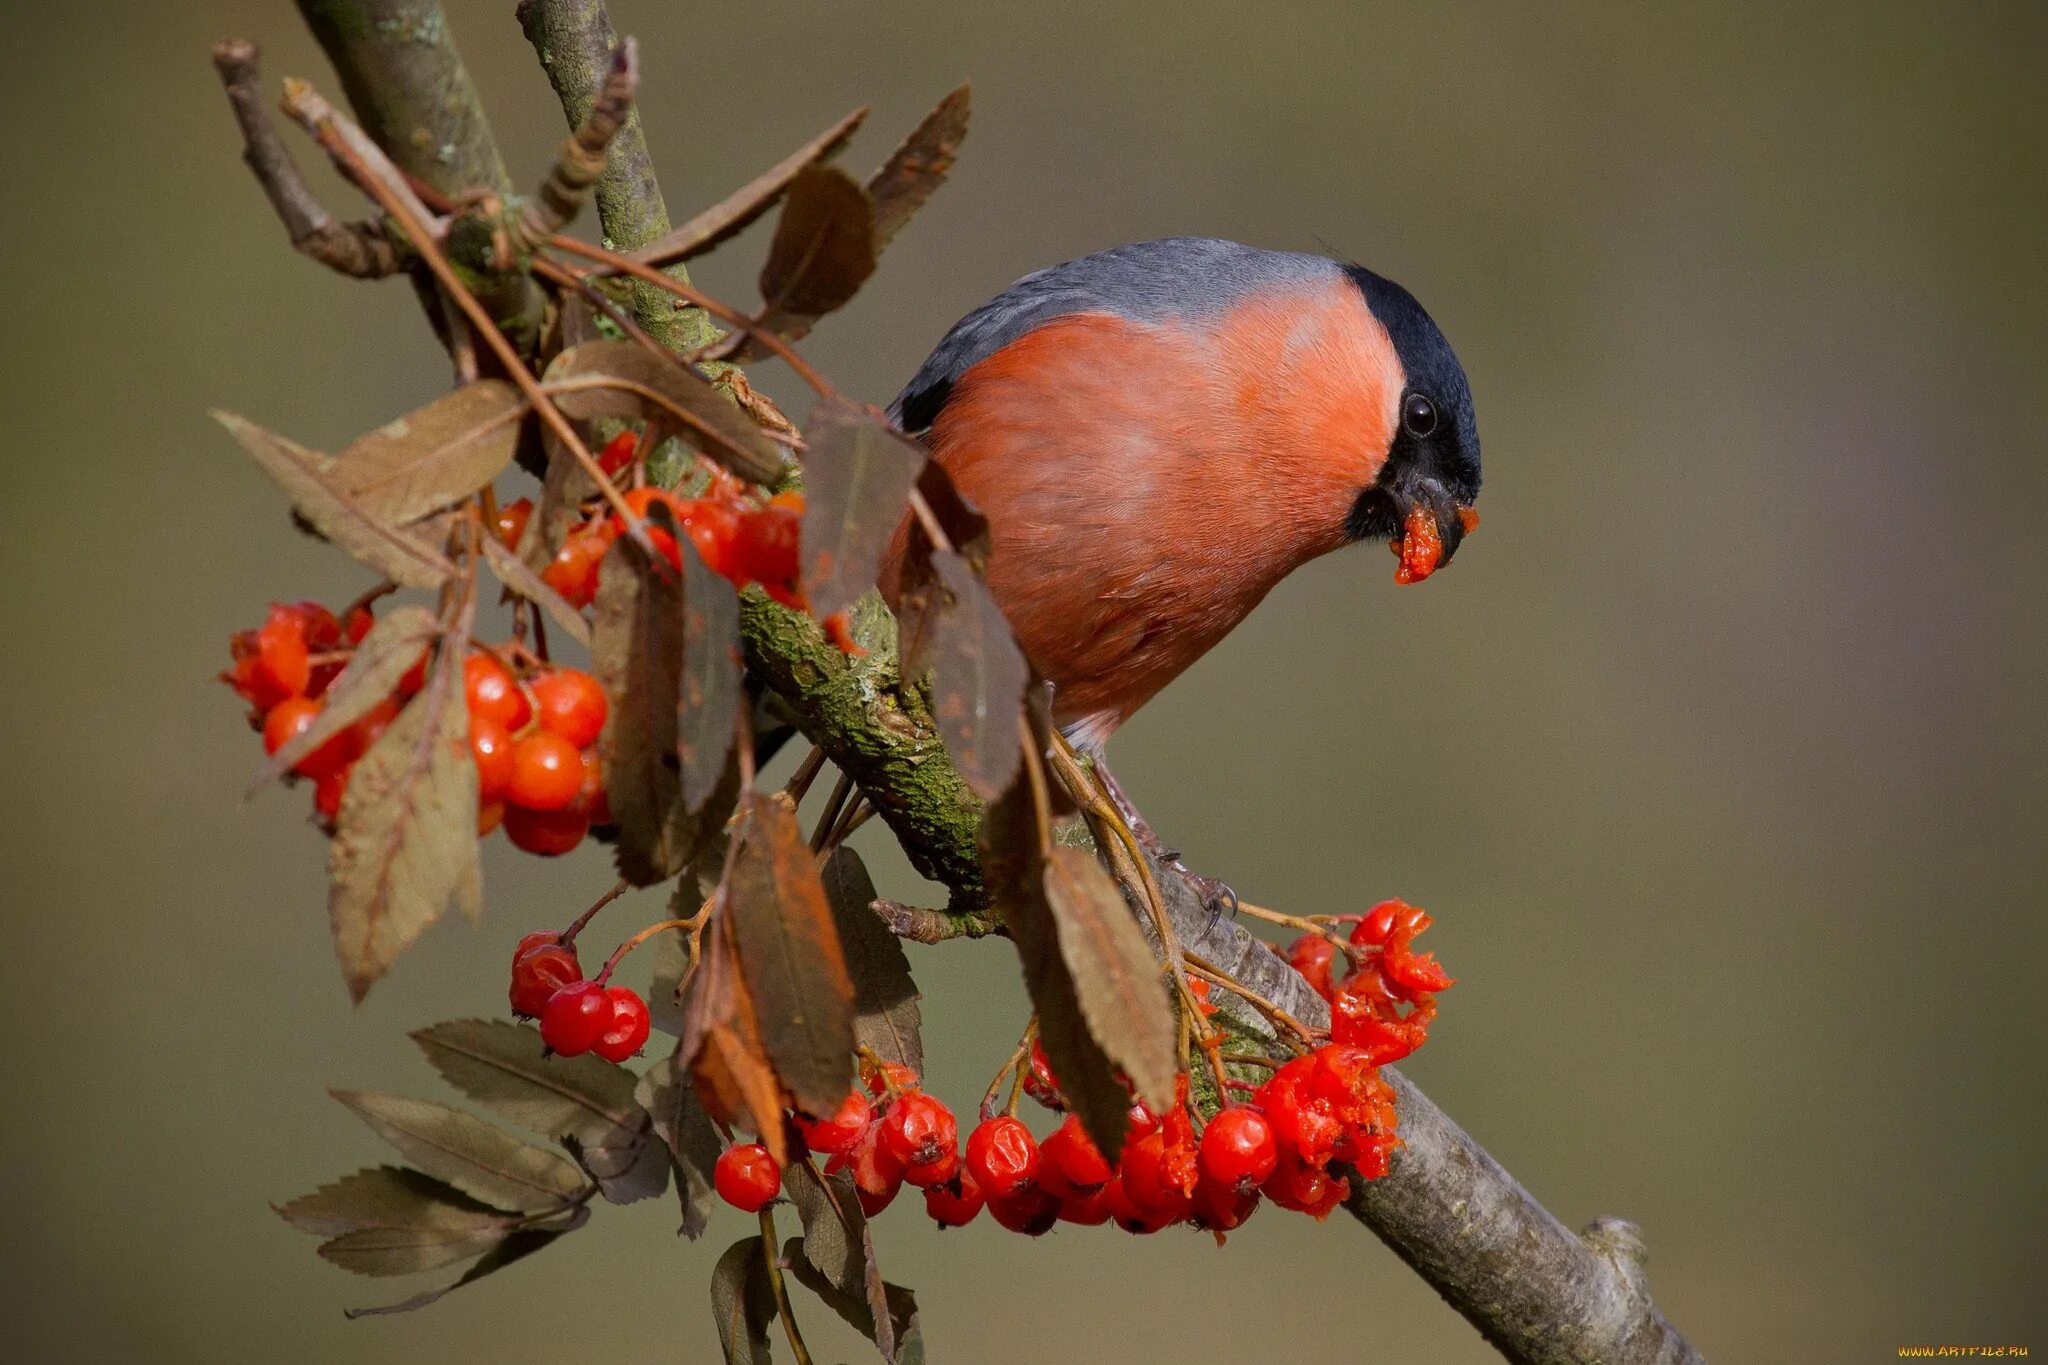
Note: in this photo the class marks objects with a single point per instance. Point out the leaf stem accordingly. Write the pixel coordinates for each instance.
(768, 337)
(770, 1241)
(568, 936)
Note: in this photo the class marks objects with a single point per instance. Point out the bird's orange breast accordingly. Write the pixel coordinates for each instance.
(1147, 484)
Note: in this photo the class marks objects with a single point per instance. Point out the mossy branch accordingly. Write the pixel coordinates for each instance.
(575, 42)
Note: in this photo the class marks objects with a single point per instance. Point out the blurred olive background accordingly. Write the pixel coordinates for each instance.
(1718, 753)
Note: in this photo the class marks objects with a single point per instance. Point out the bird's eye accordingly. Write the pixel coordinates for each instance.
(1418, 415)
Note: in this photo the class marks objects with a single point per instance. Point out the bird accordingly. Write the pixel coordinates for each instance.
(1159, 433)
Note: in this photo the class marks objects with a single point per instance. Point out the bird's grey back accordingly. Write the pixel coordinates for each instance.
(1144, 281)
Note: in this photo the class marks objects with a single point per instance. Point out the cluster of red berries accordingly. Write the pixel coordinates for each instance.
(1328, 1106)
(283, 669)
(534, 743)
(576, 1015)
(1385, 1004)
(739, 538)
(533, 739)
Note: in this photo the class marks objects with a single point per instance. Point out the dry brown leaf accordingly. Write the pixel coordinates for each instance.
(915, 170)
(434, 454)
(789, 956)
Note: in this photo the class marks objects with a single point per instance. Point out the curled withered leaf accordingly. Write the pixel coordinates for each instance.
(789, 955)
(387, 1197)
(823, 251)
(623, 379)
(858, 473)
(885, 1013)
(709, 692)
(636, 653)
(401, 557)
(898, 1326)
(394, 645)
(743, 1303)
(1116, 977)
(692, 1141)
(564, 487)
(516, 576)
(434, 454)
(1014, 863)
(733, 213)
(978, 676)
(722, 1035)
(404, 843)
(515, 1247)
(915, 170)
(585, 1102)
(483, 1161)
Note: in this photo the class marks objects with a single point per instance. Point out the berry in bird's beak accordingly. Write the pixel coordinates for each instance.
(1420, 546)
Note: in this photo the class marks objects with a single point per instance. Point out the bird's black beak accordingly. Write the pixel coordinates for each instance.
(1388, 511)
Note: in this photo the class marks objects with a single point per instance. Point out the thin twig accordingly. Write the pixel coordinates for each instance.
(356, 249)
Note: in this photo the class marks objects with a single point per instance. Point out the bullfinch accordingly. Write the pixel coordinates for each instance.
(1161, 432)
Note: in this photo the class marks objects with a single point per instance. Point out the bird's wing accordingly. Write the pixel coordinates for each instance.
(1143, 282)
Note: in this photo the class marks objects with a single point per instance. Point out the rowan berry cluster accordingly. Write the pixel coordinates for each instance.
(1320, 1118)
(738, 537)
(532, 734)
(576, 1015)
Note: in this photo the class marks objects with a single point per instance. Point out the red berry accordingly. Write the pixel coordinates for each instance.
(765, 547)
(919, 1129)
(571, 704)
(283, 661)
(1069, 1153)
(575, 1017)
(838, 1131)
(291, 718)
(539, 969)
(1238, 1151)
(490, 746)
(493, 694)
(1159, 1177)
(549, 833)
(1312, 956)
(618, 452)
(489, 815)
(1221, 1208)
(547, 772)
(511, 522)
(1031, 1211)
(955, 1203)
(629, 1025)
(711, 527)
(1305, 1189)
(328, 789)
(574, 569)
(1090, 1209)
(1128, 1215)
(876, 1174)
(357, 625)
(1002, 1156)
(747, 1177)
(596, 805)
(1039, 1083)
(935, 1172)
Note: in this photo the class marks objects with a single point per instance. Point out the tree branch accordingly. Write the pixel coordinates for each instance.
(405, 80)
(575, 42)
